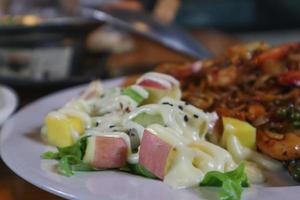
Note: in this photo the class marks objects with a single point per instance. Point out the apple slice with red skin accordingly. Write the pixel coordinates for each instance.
(155, 154)
(148, 83)
(154, 84)
(106, 152)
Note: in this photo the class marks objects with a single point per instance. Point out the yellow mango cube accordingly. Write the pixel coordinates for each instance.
(245, 133)
(77, 124)
(59, 129)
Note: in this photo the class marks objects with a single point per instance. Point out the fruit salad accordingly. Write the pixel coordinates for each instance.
(146, 129)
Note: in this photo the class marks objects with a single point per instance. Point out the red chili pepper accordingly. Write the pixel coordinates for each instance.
(276, 53)
(290, 78)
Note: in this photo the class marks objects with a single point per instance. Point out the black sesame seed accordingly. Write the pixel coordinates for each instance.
(186, 119)
(112, 126)
(121, 105)
(180, 107)
(167, 103)
(131, 134)
(186, 103)
(196, 116)
(97, 124)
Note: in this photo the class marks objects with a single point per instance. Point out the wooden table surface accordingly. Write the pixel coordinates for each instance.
(13, 187)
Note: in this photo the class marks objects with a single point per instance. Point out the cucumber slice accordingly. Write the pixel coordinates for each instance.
(90, 150)
(134, 139)
(137, 93)
(146, 119)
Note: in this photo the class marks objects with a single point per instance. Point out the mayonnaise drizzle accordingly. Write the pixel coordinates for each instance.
(191, 128)
(193, 159)
(114, 102)
(124, 136)
(239, 153)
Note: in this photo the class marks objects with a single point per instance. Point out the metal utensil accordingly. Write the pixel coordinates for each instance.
(138, 22)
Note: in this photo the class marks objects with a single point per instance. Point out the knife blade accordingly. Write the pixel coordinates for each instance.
(169, 35)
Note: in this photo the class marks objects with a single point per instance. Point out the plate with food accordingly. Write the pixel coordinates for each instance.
(224, 128)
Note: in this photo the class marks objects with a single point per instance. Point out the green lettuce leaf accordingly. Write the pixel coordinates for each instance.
(141, 170)
(70, 158)
(231, 182)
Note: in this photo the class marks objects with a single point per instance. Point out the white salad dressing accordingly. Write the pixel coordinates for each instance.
(239, 153)
(73, 112)
(183, 173)
(193, 159)
(115, 101)
(187, 125)
(80, 104)
(108, 122)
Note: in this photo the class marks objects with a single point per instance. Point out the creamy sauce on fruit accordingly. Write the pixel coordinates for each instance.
(131, 157)
(193, 159)
(163, 79)
(124, 136)
(192, 124)
(239, 153)
(112, 106)
(72, 110)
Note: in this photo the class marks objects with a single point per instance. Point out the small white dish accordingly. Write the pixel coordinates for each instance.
(8, 102)
(21, 147)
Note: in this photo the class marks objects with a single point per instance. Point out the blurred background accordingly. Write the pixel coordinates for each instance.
(46, 45)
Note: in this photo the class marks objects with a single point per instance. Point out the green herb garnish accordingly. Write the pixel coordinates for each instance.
(290, 113)
(70, 158)
(231, 182)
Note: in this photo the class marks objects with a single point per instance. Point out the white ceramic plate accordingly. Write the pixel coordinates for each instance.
(21, 148)
(8, 102)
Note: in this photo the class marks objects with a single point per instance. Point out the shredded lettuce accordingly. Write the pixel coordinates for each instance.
(231, 182)
(70, 158)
